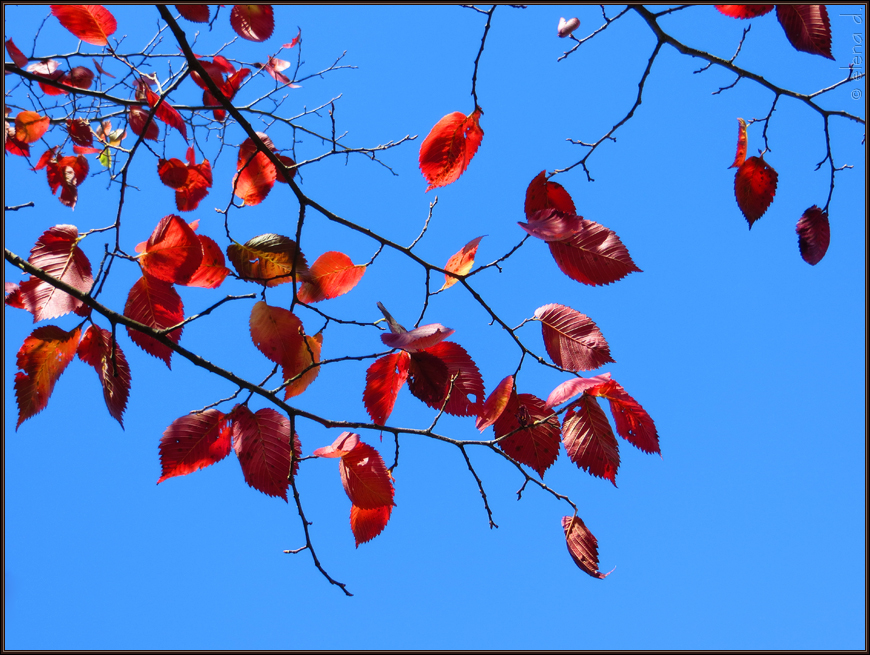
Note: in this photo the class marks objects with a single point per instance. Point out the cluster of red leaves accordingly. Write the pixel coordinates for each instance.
(29, 127)
(191, 181)
(367, 482)
(217, 69)
(807, 27)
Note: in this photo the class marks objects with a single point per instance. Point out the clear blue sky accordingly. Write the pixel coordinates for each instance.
(749, 532)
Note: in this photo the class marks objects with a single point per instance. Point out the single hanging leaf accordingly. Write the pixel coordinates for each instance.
(460, 263)
(193, 442)
(807, 28)
(97, 349)
(262, 444)
(754, 188)
(814, 235)
(295, 41)
(42, 357)
(582, 546)
(632, 422)
(253, 22)
(594, 255)
(384, 378)
(92, 24)
(744, 11)
(572, 339)
(57, 253)
(274, 67)
(173, 252)
(100, 69)
(307, 355)
(156, 304)
(66, 174)
(333, 274)
(212, 271)
(417, 339)
(80, 132)
(255, 179)
(449, 148)
(343, 444)
(15, 54)
(268, 259)
(536, 446)
(277, 332)
(467, 381)
(552, 225)
(194, 13)
(588, 439)
(496, 403)
(30, 126)
(365, 478)
(366, 524)
(742, 143)
(137, 117)
(567, 390)
(543, 194)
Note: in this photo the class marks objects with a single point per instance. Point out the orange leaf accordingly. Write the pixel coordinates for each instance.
(366, 524)
(496, 403)
(461, 262)
(92, 24)
(43, 357)
(253, 22)
(269, 259)
(30, 126)
(742, 143)
(277, 332)
(582, 546)
(212, 271)
(449, 148)
(255, 180)
(333, 274)
(754, 188)
(307, 355)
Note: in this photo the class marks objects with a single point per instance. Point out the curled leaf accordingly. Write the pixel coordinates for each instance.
(740, 157)
(419, 338)
(582, 546)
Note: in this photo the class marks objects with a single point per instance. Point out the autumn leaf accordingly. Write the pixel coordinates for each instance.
(632, 422)
(262, 443)
(807, 28)
(295, 41)
(13, 296)
(268, 259)
(212, 271)
(173, 253)
(276, 332)
(744, 11)
(593, 256)
(30, 126)
(98, 349)
(333, 274)
(460, 263)
(190, 180)
(365, 478)
(165, 112)
(80, 77)
(572, 339)
(156, 304)
(366, 524)
(419, 338)
(495, 405)
(15, 54)
(552, 225)
(274, 67)
(100, 69)
(194, 13)
(343, 444)
(588, 439)
(428, 379)
(42, 357)
(307, 355)
(754, 188)
(536, 446)
(80, 131)
(582, 546)
(384, 378)
(814, 235)
(253, 22)
(255, 179)
(742, 143)
(193, 442)
(567, 390)
(467, 381)
(136, 117)
(92, 24)
(449, 148)
(543, 194)
(66, 174)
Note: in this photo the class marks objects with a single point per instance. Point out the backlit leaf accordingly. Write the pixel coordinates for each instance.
(80, 77)
(384, 378)
(253, 22)
(92, 24)
(173, 252)
(268, 259)
(137, 117)
(632, 422)
(154, 303)
(544, 194)
(343, 444)
(467, 396)
(306, 355)
(42, 357)
(742, 143)
(365, 478)
(588, 439)
(194, 13)
(744, 11)
(419, 338)
(461, 262)
(496, 403)
(296, 40)
(262, 443)
(807, 27)
(333, 274)
(572, 339)
(573, 387)
(97, 349)
(593, 256)
(536, 446)
(80, 131)
(255, 180)
(276, 332)
(366, 524)
(193, 442)
(212, 271)
(166, 112)
(754, 188)
(190, 180)
(15, 54)
(814, 235)
(30, 126)
(449, 148)
(582, 546)
(13, 296)
(552, 225)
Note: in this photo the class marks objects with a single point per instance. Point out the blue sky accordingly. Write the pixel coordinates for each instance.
(749, 532)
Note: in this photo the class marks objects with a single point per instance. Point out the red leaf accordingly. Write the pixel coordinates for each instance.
(496, 403)
(13, 296)
(417, 339)
(814, 235)
(543, 194)
(156, 304)
(291, 166)
(460, 263)
(468, 381)
(255, 180)
(231, 87)
(253, 22)
(343, 444)
(307, 355)
(262, 444)
(16, 55)
(632, 422)
(582, 546)
(333, 274)
(43, 357)
(194, 13)
(13, 146)
(67, 173)
(191, 181)
(572, 339)
(277, 332)
(742, 143)
(744, 11)
(80, 77)
(274, 67)
(295, 40)
(449, 148)
(137, 116)
(574, 386)
(212, 271)
(588, 439)
(166, 112)
(101, 70)
(47, 156)
(30, 126)
(80, 131)
(268, 259)
(57, 253)
(193, 442)
(98, 350)
(173, 252)
(366, 524)
(754, 188)
(92, 24)
(536, 446)
(428, 379)
(807, 28)
(365, 478)
(384, 378)
(593, 256)
(172, 172)
(552, 225)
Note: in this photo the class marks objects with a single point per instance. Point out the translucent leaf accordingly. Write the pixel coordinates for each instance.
(307, 355)
(467, 395)
(536, 446)
(807, 28)
(15, 54)
(574, 386)
(365, 478)
(588, 439)
(92, 24)
(754, 188)
(30, 126)
(268, 259)
(156, 304)
(742, 143)
(98, 350)
(543, 194)
(173, 253)
(253, 22)
(137, 117)
(79, 131)
(384, 378)
(632, 422)
(262, 443)
(572, 339)
(582, 546)
(212, 271)
(417, 339)
(343, 444)
(744, 11)
(461, 262)
(255, 180)
(193, 442)
(496, 403)
(277, 332)
(552, 225)
(594, 255)
(366, 524)
(333, 274)
(449, 148)
(42, 357)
